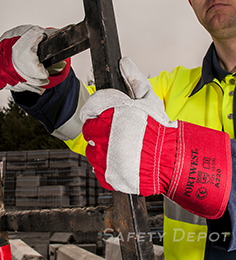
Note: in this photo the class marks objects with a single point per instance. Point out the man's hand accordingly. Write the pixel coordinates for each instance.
(20, 68)
(134, 148)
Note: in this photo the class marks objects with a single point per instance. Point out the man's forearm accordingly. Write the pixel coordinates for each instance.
(56, 106)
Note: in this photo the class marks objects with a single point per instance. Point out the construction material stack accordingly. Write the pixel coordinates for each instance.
(49, 179)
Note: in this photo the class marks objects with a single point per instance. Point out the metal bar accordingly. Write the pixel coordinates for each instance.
(143, 237)
(131, 221)
(63, 44)
(105, 52)
(104, 44)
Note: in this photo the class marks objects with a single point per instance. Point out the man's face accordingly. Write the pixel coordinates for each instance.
(217, 16)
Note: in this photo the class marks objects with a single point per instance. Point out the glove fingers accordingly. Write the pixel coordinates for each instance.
(17, 31)
(25, 59)
(135, 81)
(145, 98)
(19, 87)
(102, 100)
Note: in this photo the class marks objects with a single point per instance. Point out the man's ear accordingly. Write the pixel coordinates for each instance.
(190, 2)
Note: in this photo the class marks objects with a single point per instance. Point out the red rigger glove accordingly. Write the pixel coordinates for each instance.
(20, 68)
(5, 252)
(134, 148)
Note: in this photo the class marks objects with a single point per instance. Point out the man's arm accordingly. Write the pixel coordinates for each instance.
(63, 94)
(58, 109)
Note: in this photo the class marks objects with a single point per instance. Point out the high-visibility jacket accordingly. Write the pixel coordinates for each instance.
(192, 95)
(196, 96)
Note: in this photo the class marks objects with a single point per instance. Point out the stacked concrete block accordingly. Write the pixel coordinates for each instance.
(70, 252)
(16, 160)
(54, 196)
(38, 159)
(49, 178)
(91, 184)
(74, 238)
(88, 247)
(105, 198)
(30, 172)
(54, 202)
(75, 172)
(78, 191)
(113, 250)
(21, 251)
(9, 191)
(30, 181)
(27, 191)
(52, 191)
(63, 159)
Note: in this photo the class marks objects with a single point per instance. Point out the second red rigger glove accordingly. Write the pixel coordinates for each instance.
(20, 68)
(134, 148)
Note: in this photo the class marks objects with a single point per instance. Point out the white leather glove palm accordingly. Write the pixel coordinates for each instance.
(20, 68)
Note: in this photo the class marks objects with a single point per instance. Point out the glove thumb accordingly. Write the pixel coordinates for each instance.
(137, 84)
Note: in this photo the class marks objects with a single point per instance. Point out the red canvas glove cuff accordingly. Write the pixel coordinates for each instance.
(57, 78)
(202, 176)
(5, 252)
(157, 158)
(190, 164)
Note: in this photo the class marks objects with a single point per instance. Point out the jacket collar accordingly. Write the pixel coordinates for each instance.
(210, 69)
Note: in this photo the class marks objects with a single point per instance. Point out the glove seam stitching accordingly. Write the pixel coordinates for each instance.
(183, 156)
(159, 161)
(155, 156)
(179, 162)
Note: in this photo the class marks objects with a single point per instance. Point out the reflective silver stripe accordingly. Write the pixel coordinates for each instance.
(175, 212)
(73, 127)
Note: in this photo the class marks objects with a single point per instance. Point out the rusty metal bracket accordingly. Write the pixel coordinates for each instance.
(99, 33)
(63, 44)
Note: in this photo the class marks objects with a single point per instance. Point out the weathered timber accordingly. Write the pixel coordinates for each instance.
(58, 220)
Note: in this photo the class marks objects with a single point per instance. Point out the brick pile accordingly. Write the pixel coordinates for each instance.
(50, 178)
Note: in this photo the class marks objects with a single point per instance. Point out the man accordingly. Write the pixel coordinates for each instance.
(188, 161)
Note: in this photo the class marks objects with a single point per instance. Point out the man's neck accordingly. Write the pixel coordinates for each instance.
(226, 52)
